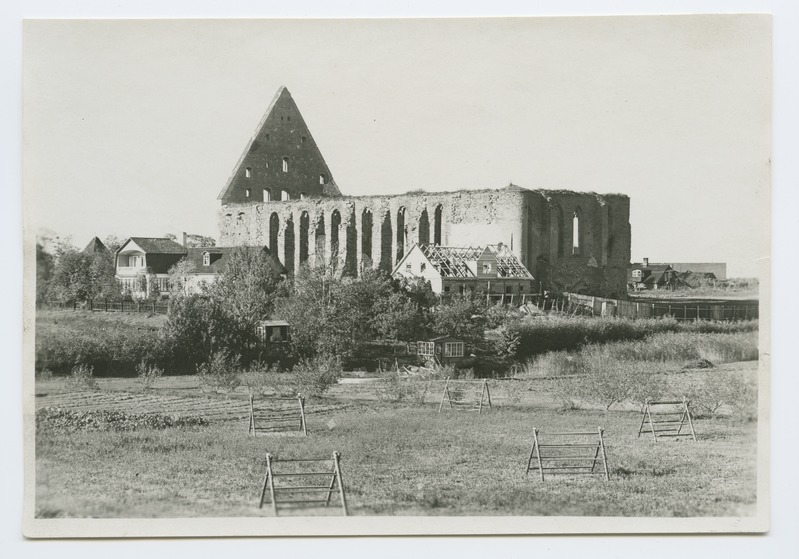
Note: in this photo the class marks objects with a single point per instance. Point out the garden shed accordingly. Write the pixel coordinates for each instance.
(272, 332)
(443, 350)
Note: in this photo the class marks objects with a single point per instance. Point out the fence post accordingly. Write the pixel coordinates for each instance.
(153, 307)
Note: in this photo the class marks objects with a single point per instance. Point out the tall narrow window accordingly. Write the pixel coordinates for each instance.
(247, 193)
(248, 172)
(267, 195)
(576, 232)
(206, 259)
(285, 196)
(285, 164)
(322, 179)
(302, 195)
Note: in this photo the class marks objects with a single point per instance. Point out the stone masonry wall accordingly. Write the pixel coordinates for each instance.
(351, 233)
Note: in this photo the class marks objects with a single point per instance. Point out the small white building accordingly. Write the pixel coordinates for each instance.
(492, 269)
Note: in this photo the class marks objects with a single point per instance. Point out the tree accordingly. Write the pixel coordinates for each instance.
(462, 317)
(180, 276)
(45, 263)
(71, 280)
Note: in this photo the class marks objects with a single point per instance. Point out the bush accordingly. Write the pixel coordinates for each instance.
(313, 377)
(82, 378)
(259, 379)
(221, 373)
(44, 374)
(148, 374)
(393, 387)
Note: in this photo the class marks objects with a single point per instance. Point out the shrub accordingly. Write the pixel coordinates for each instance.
(44, 374)
(313, 377)
(393, 387)
(82, 378)
(221, 373)
(259, 379)
(148, 374)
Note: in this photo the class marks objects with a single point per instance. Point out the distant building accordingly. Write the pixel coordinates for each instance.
(492, 269)
(646, 275)
(95, 246)
(143, 264)
(718, 269)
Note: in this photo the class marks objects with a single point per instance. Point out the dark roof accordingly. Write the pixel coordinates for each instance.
(219, 257)
(94, 246)
(157, 245)
(444, 339)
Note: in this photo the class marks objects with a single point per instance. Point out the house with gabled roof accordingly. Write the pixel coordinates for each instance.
(491, 269)
(647, 275)
(143, 264)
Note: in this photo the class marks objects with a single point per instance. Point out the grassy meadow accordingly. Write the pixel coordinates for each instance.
(399, 456)
(402, 459)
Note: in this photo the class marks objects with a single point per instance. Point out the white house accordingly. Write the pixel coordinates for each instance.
(492, 269)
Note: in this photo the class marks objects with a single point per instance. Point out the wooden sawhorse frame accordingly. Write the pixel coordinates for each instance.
(569, 454)
(277, 420)
(453, 401)
(668, 419)
(302, 483)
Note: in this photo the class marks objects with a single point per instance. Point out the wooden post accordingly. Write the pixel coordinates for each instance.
(336, 457)
(444, 395)
(686, 403)
(538, 453)
(302, 415)
(604, 456)
(488, 394)
(480, 405)
(251, 428)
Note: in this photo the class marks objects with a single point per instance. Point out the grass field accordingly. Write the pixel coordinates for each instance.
(396, 459)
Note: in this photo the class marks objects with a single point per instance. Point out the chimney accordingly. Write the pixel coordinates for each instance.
(184, 238)
(646, 260)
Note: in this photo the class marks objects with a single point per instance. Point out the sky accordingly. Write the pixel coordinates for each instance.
(132, 128)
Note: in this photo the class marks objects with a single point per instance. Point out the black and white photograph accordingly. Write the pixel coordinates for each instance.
(397, 276)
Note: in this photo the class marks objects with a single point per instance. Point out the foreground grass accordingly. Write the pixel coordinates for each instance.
(400, 461)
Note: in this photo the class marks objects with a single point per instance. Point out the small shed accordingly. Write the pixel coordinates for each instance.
(272, 331)
(442, 349)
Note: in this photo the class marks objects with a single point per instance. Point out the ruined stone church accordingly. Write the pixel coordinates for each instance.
(282, 194)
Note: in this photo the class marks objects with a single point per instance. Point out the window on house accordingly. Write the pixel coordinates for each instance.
(508, 289)
(247, 193)
(206, 258)
(487, 267)
(285, 196)
(408, 268)
(425, 348)
(267, 195)
(453, 349)
(446, 289)
(636, 273)
(422, 267)
(248, 172)
(322, 179)
(285, 164)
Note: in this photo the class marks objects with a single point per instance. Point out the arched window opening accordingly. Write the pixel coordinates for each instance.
(274, 229)
(206, 258)
(267, 195)
(366, 238)
(288, 246)
(335, 225)
(248, 172)
(400, 235)
(302, 195)
(285, 164)
(319, 239)
(285, 196)
(424, 228)
(322, 178)
(437, 216)
(576, 233)
(247, 193)
(305, 223)
(385, 243)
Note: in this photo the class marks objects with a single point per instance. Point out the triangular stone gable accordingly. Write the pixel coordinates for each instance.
(281, 134)
(95, 246)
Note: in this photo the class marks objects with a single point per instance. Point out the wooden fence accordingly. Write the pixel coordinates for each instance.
(682, 311)
(112, 306)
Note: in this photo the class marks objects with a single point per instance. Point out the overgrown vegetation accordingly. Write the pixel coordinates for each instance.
(82, 378)
(148, 374)
(221, 373)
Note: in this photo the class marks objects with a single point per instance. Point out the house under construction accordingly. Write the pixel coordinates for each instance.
(492, 269)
